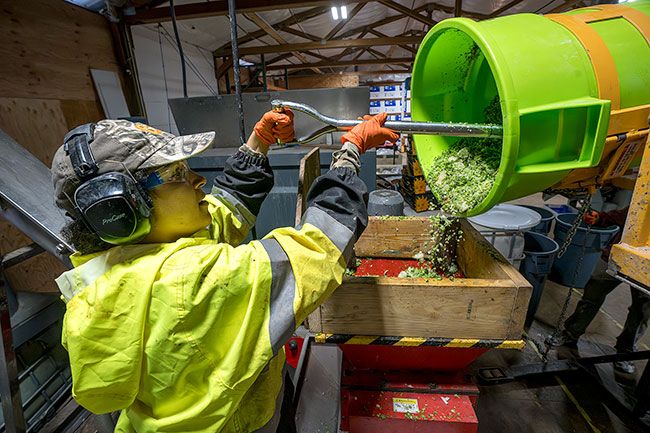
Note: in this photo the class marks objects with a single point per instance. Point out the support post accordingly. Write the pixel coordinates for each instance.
(235, 65)
(263, 74)
(286, 78)
(9, 385)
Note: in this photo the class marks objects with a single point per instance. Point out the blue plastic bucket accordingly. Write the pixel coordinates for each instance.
(544, 226)
(592, 240)
(539, 251)
(562, 208)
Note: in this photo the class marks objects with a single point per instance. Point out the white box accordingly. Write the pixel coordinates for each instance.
(392, 106)
(375, 92)
(391, 92)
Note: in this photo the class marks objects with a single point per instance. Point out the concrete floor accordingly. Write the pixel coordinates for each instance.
(568, 403)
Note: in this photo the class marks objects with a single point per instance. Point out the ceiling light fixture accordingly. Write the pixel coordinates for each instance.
(344, 12)
(335, 13)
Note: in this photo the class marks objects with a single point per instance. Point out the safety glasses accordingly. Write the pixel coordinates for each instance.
(176, 172)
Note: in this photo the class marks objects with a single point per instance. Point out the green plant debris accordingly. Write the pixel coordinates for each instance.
(462, 176)
(412, 272)
(439, 256)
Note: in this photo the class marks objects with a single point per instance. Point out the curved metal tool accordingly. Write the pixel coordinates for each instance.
(433, 128)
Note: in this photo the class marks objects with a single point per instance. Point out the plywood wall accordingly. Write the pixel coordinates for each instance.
(323, 81)
(48, 48)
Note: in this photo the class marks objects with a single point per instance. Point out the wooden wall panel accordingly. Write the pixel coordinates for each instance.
(39, 125)
(48, 47)
(324, 81)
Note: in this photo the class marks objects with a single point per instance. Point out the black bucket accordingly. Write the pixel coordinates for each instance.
(539, 253)
(544, 226)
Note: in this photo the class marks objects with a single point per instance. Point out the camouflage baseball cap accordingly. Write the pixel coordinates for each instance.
(120, 144)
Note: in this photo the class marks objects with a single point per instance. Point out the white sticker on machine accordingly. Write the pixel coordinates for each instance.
(405, 405)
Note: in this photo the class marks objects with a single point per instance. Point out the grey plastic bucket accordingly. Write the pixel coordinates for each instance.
(565, 269)
(544, 226)
(539, 251)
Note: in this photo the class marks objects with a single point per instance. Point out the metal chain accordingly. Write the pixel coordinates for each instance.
(570, 234)
(586, 203)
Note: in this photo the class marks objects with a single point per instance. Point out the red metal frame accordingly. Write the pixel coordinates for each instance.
(407, 389)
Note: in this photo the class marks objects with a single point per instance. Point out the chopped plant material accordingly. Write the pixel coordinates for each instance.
(412, 272)
(445, 236)
(462, 176)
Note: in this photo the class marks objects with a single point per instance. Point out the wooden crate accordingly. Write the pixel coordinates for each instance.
(490, 303)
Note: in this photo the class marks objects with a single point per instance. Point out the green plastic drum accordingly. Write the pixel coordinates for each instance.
(553, 118)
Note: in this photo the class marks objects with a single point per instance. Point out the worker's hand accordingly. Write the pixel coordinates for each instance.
(591, 217)
(275, 125)
(370, 133)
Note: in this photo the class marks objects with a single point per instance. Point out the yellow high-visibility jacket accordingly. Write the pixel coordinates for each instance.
(188, 336)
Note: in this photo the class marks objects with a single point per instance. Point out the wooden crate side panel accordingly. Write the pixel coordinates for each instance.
(420, 311)
(477, 257)
(394, 237)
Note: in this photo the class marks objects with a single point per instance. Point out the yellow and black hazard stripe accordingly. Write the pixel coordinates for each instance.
(416, 341)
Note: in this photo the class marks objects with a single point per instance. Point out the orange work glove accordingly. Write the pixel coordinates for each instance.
(370, 133)
(591, 217)
(274, 125)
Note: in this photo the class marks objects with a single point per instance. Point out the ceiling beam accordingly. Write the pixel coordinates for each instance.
(292, 20)
(379, 23)
(452, 9)
(382, 35)
(408, 12)
(220, 8)
(458, 8)
(342, 23)
(505, 7)
(335, 43)
(262, 24)
(301, 34)
(344, 64)
(563, 7)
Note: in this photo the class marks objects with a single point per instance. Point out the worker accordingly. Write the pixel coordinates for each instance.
(168, 318)
(599, 286)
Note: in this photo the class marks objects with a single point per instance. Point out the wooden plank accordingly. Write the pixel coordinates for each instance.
(323, 81)
(79, 112)
(477, 257)
(342, 23)
(343, 64)
(454, 311)
(47, 49)
(335, 43)
(220, 8)
(307, 174)
(35, 274)
(288, 22)
(262, 24)
(564, 6)
(394, 237)
(39, 125)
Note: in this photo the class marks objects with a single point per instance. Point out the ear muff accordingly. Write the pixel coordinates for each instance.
(112, 204)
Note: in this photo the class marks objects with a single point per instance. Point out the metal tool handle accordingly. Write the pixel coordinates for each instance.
(432, 128)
